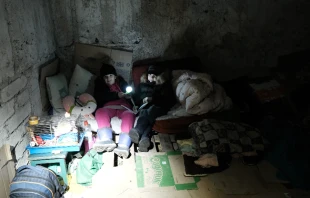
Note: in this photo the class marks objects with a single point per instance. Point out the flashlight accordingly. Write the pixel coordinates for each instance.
(128, 89)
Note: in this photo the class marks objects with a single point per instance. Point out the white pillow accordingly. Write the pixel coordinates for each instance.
(57, 89)
(82, 81)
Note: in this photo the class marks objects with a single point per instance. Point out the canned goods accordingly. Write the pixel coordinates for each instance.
(33, 120)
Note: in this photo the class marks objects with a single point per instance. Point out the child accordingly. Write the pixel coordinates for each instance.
(110, 95)
(161, 99)
(146, 86)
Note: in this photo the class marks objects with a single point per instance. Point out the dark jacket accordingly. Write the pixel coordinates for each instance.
(164, 96)
(102, 92)
(143, 90)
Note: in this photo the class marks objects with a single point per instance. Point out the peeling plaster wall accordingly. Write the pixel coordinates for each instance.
(228, 35)
(27, 41)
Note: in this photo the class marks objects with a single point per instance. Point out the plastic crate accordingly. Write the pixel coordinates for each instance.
(55, 149)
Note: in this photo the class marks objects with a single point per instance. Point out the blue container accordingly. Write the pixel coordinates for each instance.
(55, 149)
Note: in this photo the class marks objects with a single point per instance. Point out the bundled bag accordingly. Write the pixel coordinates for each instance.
(88, 167)
(37, 181)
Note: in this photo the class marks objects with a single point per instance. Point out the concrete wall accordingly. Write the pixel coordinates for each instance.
(27, 41)
(229, 36)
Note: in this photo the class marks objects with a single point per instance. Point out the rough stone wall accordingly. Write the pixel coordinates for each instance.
(27, 41)
(228, 35)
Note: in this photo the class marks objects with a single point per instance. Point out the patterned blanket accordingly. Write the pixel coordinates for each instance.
(214, 136)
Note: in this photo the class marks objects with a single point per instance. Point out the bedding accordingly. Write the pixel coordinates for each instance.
(82, 81)
(57, 89)
(178, 119)
(215, 136)
(198, 94)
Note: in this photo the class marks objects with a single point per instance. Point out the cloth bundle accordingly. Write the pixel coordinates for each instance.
(198, 94)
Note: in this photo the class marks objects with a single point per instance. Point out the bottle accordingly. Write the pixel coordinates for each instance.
(88, 137)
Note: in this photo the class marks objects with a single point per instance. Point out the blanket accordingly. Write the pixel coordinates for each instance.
(215, 136)
(198, 94)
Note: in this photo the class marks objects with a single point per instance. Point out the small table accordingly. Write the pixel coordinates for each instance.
(48, 158)
(44, 155)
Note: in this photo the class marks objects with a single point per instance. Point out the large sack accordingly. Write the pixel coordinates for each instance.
(35, 181)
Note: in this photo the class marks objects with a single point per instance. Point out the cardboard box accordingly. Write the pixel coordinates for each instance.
(91, 58)
(163, 170)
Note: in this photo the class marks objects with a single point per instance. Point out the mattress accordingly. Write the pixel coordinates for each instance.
(171, 123)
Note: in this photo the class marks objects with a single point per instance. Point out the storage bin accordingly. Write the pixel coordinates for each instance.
(56, 148)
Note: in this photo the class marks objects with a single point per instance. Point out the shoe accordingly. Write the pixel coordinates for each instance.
(144, 144)
(134, 135)
(122, 152)
(104, 140)
(105, 145)
(124, 143)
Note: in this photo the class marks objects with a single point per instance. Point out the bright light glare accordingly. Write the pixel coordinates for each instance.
(128, 89)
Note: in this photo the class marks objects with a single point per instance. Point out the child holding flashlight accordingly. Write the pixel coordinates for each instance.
(144, 90)
(110, 94)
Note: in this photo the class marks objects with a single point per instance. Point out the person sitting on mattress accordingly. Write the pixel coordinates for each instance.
(160, 99)
(110, 95)
(146, 86)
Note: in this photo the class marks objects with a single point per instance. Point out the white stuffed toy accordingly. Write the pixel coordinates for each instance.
(88, 103)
